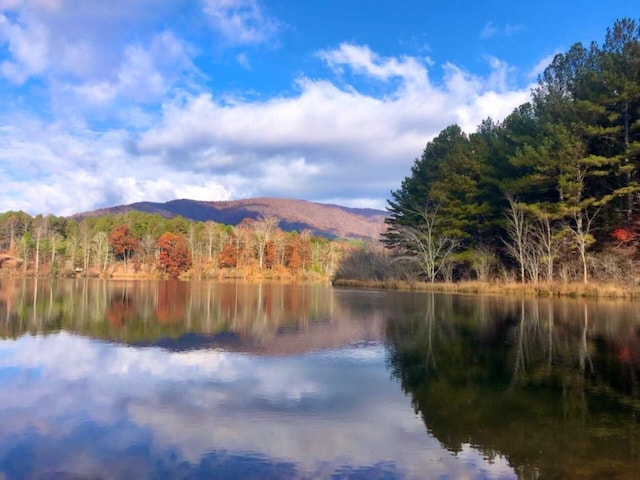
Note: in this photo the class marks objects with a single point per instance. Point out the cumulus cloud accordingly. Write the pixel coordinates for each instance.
(125, 119)
(145, 73)
(326, 140)
(362, 60)
(69, 38)
(28, 46)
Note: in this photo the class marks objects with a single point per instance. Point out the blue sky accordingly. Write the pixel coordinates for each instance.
(107, 103)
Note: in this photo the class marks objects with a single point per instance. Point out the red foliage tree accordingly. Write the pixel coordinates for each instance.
(624, 235)
(122, 242)
(174, 256)
(293, 259)
(228, 257)
(270, 255)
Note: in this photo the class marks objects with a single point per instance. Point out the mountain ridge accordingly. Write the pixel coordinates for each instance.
(329, 220)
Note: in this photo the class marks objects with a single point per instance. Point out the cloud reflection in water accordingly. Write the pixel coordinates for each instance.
(73, 405)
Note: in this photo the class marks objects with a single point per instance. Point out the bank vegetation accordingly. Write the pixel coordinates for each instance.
(547, 198)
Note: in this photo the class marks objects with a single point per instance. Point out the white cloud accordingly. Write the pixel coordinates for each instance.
(28, 46)
(321, 143)
(362, 60)
(243, 60)
(241, 21)
(540, 67)
(324, 140)
(489, 30)
(137, 79)
(125, 120)
(500, 75)
(513, 29)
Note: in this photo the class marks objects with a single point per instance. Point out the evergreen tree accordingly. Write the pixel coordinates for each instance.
(447, 177)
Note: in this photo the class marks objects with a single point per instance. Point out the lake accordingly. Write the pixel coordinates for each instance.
(115, 379)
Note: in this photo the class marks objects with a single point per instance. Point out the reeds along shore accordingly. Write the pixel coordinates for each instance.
(541, 289)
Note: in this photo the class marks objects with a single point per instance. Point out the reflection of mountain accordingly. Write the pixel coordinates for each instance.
(530, 380)
(266, 319)
(196, 341)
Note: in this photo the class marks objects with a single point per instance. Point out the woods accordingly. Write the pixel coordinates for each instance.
(151, 246)
(547, 193)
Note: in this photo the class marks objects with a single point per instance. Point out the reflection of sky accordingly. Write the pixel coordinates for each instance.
(72, 405)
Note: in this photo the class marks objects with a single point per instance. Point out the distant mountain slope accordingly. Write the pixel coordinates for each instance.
(321, 219)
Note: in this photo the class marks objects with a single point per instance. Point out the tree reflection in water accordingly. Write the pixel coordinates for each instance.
(551, 385)
(257, 317)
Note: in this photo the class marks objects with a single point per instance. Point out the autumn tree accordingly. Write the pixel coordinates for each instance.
(263, 229)
(174, 256)
(123, 243)
(228, 257)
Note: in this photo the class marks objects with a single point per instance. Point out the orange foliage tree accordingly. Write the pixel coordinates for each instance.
(228, 257)
(174, 257)
(123, 243)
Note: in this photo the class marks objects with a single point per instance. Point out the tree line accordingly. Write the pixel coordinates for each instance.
(142, 244)
(551, 192)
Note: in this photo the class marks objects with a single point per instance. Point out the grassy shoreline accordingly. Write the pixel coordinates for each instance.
(542, 289)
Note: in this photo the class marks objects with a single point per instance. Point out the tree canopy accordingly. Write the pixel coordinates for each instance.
(569, 159)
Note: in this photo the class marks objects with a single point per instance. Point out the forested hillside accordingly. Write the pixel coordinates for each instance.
(320, 219)
(551, 192)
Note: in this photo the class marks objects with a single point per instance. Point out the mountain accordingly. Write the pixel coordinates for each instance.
(321, 219)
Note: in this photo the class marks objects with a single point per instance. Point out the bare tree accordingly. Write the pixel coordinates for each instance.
(263, 229)
(425, 245)
(519, 231)
(212, 235)
(40, 227)
(85, 240)
(548, 239)
(100, 248)
(581, 228)
(55, 239)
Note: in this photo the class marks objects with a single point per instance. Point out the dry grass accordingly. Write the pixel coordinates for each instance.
(546, 289)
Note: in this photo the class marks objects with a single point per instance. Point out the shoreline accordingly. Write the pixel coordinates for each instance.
(473, 287)
(541, 289)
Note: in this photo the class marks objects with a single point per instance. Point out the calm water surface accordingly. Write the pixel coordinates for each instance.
(105, 379)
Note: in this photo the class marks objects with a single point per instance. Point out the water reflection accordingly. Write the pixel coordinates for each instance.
(259, 318)
(550, 385)
(231, 380)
